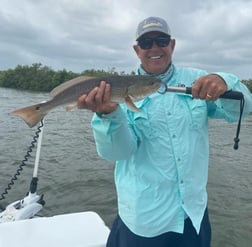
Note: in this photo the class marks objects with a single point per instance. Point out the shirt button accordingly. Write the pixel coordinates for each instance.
(169, 114)
(173, 136)
(181, 181)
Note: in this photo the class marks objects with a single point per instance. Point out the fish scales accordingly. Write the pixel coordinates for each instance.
(85, 85)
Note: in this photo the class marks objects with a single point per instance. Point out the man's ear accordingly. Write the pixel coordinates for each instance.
(136, 49)
(173, 43)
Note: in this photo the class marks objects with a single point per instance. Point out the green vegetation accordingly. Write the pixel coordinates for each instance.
(42, 78)
(248, 83)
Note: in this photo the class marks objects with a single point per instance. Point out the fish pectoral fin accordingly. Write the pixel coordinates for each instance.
(130, 104)
(71, 107)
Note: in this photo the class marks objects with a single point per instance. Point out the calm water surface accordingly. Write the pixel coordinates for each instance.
(73, 178)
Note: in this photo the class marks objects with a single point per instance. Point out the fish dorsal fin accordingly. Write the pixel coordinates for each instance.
(65, 85)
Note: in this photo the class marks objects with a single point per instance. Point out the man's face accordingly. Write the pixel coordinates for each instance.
(156, 59)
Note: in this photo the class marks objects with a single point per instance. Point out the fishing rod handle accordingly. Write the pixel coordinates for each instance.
(227, 95)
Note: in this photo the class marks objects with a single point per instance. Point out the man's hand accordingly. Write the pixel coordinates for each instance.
(98, 100)
(209, 87)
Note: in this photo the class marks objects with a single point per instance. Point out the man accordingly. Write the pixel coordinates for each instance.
(161, 152)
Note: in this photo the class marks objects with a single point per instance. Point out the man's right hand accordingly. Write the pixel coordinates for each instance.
(98, 100)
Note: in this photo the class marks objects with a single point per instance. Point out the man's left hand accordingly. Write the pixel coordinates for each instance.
(209, 87)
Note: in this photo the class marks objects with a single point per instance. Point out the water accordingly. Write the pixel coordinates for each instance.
(73, 178)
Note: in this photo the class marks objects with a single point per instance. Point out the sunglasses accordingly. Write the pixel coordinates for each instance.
(147, 43)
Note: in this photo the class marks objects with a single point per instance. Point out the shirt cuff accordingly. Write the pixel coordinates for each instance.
(230, 79)
(116, 114)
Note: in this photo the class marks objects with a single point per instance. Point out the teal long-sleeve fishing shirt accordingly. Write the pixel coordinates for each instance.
(162, 153)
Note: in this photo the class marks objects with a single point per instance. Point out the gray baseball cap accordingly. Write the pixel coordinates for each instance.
(152, 24)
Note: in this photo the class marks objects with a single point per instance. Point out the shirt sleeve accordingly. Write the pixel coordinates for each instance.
(113, 136)
(230, 108)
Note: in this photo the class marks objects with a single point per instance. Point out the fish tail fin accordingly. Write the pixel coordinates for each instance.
(31, 114)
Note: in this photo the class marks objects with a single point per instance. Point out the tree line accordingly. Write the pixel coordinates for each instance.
(248, 83)
(42, 78)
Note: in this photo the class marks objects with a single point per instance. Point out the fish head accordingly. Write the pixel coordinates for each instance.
(143, 86)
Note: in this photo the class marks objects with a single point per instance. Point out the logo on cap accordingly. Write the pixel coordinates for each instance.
(152, 24)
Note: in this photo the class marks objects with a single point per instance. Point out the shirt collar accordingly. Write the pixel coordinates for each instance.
(165, 77)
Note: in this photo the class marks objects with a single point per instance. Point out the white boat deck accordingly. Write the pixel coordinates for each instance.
(83, 229)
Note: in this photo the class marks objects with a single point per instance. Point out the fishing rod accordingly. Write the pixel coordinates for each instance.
(188, 90)
(233, 95)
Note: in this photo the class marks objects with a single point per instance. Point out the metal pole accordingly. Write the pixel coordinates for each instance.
(36, 165)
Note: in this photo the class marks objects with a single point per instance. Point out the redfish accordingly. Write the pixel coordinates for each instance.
(123, 89)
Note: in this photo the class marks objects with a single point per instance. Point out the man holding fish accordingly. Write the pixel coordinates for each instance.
(162, 151)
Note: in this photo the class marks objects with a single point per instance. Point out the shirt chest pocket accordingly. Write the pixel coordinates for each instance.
(197, 111)
(143, 126)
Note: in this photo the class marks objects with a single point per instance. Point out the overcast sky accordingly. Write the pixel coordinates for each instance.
(98, 34)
